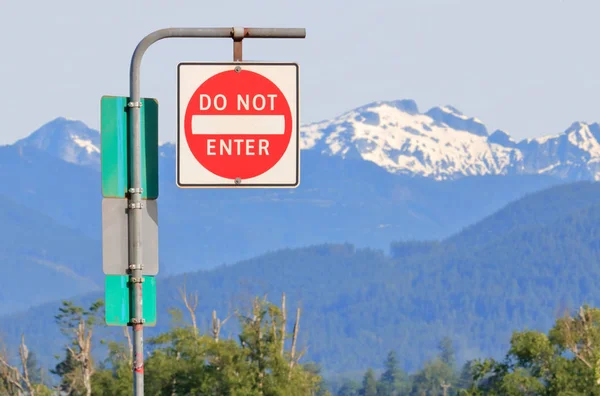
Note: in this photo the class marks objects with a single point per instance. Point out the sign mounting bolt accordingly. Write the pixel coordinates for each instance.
(238, 180)
(237, 69)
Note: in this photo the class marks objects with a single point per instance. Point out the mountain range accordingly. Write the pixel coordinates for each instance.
(519, 268)
(52, 177)
(378, 177)
(445, 144)
(441, 144)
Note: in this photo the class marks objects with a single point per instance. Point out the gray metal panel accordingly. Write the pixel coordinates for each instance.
(115, 243)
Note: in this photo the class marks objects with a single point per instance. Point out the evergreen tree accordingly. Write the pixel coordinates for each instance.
(349, 388)
(447, 354)
(33, 368)
(369, 387)
(393, 379)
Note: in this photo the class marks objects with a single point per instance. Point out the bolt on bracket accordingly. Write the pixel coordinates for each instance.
(136, 205)
(135, 190)
(137, 280)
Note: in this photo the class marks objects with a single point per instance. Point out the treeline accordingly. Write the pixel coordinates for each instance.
(564, 362)
(438, 376)
(265, 360)
(181, 361)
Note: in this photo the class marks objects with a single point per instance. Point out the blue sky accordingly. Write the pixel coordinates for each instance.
(530, 67)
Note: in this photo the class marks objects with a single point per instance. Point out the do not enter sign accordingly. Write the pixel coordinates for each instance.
(238, 125)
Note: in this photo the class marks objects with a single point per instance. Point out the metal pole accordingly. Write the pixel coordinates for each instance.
(135, 190)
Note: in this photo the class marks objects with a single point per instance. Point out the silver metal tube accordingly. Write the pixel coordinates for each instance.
(135, 193)
(275, 33)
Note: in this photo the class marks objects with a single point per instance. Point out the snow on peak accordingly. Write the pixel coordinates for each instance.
(70, 140)
(406, 142)
(443, 143)
(86, 144)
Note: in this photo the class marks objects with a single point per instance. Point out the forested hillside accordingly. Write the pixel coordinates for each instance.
(358, 304)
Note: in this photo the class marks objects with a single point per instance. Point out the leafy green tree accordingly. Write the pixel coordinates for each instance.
(430, 379)
(564, 362)
(114, 376)
(369, 385)
(314, 369)
(184, 362)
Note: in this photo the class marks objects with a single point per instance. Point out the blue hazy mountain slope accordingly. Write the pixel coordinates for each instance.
(68, 193)
(539, 208)
(339, 200)
(41, 260)
(359, 303)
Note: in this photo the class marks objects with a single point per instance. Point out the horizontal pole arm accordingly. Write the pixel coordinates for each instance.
(153, 37)
(275, 32)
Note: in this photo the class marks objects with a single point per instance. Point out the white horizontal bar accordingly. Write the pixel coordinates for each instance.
(238, 125)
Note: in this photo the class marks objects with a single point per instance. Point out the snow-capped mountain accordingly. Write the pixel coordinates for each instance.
(441, 143)
(70, 140)
(444, 144)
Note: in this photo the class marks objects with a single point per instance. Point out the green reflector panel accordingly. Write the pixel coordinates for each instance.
(119, 300)
(116, 165)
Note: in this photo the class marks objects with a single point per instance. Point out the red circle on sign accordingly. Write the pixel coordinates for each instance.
(238, 124)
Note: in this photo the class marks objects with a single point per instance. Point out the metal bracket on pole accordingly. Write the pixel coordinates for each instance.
(238, 34)
(136, 280)
(135, 229)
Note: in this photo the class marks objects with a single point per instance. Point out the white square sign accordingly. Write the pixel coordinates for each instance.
(238, 125)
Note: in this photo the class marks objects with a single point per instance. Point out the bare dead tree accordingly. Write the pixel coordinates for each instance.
(445, 386)
(78, 324)
(295, 337)
(83, 354)
(283, 322)
(217, 324)
(293, 358)
(258, 317)
(191, 303)
(24, 355)
(13, 377)
(10, 378)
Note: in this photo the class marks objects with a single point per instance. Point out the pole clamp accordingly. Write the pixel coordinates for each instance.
(136, 205)
(238, 33)
(137, 280)
(134, 104)
(138, 190)
(138, 321)
(136, 266)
